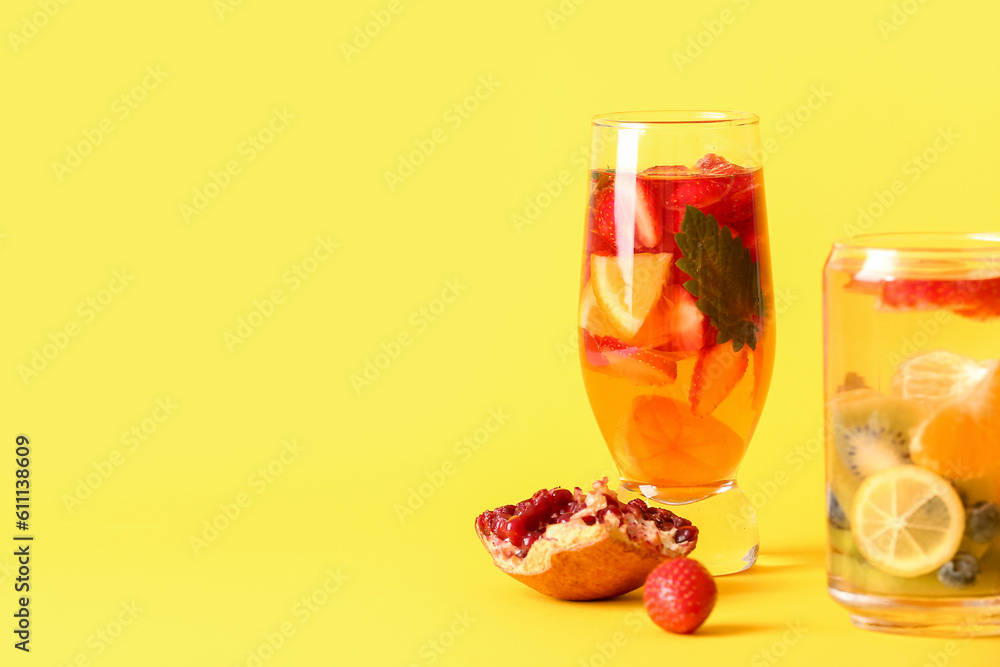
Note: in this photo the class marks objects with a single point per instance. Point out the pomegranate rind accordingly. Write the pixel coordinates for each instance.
(591, 563)
(577, 561)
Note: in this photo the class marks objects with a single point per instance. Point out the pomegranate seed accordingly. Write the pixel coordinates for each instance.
(589, 520)
(686, 534)
(515, 529)
(561, 497)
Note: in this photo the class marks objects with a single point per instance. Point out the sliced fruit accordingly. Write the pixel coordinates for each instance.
(684, 323)
(961, 439)
(907, 521)
(612, 210)
(977, 299)
(641, 366)
(626, 293)
(716, 373)
(736, 204)
(592, 318)
(871, 432)
(662, 443)
(574, 545)
(934, 377)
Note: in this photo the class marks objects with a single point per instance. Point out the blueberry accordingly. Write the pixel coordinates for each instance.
(983, 522)
(960, 572)
(834, 512)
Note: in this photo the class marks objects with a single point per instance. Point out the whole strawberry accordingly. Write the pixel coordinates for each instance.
(679, 595)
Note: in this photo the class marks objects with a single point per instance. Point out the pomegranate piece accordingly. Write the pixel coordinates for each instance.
(573, 545)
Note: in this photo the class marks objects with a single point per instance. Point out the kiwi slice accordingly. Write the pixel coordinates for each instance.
(871, 431)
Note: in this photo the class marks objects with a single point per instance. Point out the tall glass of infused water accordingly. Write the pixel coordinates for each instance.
(676, 316)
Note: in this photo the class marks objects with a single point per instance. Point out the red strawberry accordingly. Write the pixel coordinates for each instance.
(717, 371)
(976, 299)
(682, 320)
(644, 367)
(647, 230)
(737, 203)
(679, 595)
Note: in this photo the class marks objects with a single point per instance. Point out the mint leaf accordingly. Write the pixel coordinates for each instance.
(724, 279)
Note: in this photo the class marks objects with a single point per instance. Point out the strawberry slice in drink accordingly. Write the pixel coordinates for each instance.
(646, 231)
(641, 366)
(716, 373)
(976, 299)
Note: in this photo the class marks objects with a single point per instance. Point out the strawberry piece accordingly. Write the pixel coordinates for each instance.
(679, 595)
(976, 299)
(683, 322)
(717, 371)
(647, 230)
(642, 366)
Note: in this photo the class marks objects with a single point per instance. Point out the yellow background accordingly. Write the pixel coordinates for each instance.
(328, 527)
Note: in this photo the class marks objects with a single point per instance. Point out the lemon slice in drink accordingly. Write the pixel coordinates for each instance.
(627, 288)
(907, 521)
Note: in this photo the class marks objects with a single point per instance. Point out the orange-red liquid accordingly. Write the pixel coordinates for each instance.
(675, 408)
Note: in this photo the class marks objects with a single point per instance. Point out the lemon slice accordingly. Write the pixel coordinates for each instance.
(592, 318)
(627, 288)
(907, 521)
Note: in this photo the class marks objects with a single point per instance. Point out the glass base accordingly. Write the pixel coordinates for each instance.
(728, 539)
(936, 617)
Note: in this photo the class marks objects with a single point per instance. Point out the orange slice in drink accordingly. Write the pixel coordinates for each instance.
(961, 440)
(934, 377)
(662, 443)
(627, 288)
(907, 521)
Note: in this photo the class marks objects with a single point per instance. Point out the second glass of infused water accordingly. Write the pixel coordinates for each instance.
(913, 431)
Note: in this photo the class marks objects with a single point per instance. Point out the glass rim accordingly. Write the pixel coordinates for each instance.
(641, 119)
(923, 242)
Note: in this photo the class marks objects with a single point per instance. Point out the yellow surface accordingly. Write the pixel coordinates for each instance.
(215, 294)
